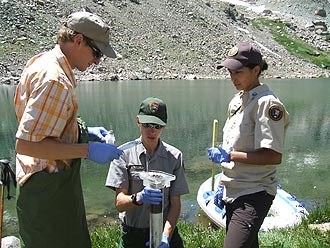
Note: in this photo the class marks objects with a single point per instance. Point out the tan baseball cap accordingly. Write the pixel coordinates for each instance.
(93, 27)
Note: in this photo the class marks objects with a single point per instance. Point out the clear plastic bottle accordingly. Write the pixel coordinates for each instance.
(110, 137)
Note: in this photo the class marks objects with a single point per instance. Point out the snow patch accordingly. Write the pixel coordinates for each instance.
(256, 9)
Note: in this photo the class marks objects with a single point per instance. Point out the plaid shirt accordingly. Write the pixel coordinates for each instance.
(46, 106)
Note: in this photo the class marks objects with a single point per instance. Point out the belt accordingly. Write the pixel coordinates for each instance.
(128, 229)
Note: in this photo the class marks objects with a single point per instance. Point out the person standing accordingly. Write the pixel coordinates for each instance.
(133, 200)
(253, 141)
(49, 138)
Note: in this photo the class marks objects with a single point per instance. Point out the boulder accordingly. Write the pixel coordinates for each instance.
(324, 227)
(320, 12)
(10, 242)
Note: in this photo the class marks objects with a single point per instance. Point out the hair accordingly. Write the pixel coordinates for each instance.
(263, 66)
(65, 34)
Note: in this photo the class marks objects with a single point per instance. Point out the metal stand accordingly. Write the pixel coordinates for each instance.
(156, 224)
(156, 180)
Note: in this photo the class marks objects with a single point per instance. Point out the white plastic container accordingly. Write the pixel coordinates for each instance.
(110, 137)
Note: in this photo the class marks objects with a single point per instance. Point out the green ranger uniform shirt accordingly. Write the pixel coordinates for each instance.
(256, 119)
(123, 173)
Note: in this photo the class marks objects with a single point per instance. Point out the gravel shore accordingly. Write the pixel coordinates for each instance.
(162, 39)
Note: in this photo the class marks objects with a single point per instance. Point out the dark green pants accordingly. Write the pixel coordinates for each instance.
(51, 210)
(138, 237)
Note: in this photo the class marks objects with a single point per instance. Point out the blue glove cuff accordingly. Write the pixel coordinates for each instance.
(165, 239)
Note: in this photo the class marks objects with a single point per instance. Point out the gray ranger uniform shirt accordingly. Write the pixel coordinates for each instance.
(123, 174)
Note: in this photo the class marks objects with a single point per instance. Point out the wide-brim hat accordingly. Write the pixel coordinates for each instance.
(94, 28)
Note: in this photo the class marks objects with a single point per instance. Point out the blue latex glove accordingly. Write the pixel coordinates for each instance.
(218, 155)
(97, 134)
(218, 197)
(102, 153)
(165, 243)
(150, 196)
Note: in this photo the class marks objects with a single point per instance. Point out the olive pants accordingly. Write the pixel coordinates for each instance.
(51, 210)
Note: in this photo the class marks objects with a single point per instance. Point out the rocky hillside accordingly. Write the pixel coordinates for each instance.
(161, 39)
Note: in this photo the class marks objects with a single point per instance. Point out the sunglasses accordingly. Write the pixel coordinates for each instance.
(150, 125)
(96, 52)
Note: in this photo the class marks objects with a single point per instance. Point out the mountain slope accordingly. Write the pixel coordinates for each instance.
(157, 38)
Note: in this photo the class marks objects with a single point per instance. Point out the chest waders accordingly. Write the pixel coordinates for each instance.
(51, 210)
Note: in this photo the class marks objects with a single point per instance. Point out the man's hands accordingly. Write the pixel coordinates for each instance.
(218, 155)
(97, 134)
(102, 153)
(150, 196)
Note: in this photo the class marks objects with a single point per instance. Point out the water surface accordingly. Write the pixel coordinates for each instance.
(192, 107)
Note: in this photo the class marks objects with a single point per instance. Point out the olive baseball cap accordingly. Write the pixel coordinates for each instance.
(242, 55)
(93, 27)
(153, 110)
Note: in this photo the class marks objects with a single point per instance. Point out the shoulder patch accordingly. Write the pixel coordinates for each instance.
(276, 112)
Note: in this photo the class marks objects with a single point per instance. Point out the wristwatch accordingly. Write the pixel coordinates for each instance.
(133, 197)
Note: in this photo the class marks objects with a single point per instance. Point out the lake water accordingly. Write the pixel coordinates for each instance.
(192, 107)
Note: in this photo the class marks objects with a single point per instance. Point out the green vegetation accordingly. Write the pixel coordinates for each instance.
(320, 215)
(292, 43)
(200, 236)
(106, 237)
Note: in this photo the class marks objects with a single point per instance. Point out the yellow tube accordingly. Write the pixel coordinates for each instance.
(214, 143)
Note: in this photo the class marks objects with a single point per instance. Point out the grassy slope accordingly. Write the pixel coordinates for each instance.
(294, 44)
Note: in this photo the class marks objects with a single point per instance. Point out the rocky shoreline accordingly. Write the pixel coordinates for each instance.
(164, 39)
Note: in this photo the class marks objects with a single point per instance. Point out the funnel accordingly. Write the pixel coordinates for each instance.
(156, 179)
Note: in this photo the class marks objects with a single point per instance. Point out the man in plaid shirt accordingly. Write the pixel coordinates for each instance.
(49, 141)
